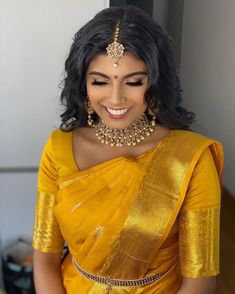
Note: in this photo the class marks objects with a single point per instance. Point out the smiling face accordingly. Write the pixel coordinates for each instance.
(117, 94)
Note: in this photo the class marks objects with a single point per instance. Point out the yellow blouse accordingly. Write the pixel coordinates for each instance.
(132, 217)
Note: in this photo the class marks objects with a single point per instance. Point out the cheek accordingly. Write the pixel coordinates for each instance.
(136, 94)
(95, 93)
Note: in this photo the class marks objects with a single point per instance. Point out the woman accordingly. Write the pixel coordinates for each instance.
(133, 193)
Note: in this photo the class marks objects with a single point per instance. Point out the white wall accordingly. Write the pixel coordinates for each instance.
(208, 72)
(35, 36)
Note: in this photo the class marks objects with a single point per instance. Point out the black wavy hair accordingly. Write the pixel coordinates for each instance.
(142, 37)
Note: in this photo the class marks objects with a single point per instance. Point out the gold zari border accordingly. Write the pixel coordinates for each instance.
(199, 244)
(46, 235)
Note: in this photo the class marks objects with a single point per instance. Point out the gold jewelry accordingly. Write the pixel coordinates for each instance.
(132, 135)
(115, 50)
(110, 282)
(90, 111)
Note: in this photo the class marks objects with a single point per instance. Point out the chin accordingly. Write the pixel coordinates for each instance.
(118, 125)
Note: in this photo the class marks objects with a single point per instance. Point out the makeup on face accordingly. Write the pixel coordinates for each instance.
(131, 79)
(117, 95)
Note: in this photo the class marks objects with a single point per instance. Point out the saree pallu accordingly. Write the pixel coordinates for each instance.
(129, 218)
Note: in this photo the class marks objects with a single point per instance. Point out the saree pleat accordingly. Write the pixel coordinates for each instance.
(132, 217)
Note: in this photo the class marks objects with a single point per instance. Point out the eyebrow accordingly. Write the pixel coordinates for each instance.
(125, 77)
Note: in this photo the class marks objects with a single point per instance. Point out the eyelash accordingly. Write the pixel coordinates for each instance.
(96, 83)
(131, 84)
(135, 84)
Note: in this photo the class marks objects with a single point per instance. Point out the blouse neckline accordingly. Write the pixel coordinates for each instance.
(76, 166)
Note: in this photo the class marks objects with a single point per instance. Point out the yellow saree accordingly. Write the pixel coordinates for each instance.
(129, 218)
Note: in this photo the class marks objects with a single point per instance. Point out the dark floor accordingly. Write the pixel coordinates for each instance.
(226, 279)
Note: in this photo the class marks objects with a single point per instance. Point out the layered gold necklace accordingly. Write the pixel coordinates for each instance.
(132, 135)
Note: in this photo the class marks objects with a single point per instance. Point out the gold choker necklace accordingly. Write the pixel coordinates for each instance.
(132, 135)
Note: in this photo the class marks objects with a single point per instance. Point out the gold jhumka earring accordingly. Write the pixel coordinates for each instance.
(90, 111)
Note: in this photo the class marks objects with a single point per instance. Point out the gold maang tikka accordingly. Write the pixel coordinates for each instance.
(115, 50)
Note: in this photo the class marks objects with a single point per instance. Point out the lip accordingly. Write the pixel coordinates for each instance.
(120, 116)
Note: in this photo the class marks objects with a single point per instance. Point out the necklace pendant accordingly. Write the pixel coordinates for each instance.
(109, 284)
(108, 289)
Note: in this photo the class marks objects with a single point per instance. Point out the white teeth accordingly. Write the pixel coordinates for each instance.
(117, 111)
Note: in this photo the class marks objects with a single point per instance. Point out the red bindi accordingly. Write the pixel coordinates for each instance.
(116, 77)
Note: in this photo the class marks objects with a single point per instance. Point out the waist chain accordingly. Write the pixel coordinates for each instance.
(110, 282)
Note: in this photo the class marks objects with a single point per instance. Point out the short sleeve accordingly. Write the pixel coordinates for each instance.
(46, 235)
(199, 221)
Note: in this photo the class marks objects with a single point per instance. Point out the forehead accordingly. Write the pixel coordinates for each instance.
(128, 63)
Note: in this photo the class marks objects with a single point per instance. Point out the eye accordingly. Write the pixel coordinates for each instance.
(99, 83)
(135, 84)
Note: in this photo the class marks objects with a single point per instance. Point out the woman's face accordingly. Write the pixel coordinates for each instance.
(117, 94)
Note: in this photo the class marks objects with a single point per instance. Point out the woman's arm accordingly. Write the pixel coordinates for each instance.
(47, 275)
(198, 285)
(199, 229)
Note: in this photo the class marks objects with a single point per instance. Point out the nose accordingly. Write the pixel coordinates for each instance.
(116, 98)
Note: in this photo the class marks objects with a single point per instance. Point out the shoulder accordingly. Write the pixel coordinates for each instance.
(192, 135)
(58, 135)
(190, 140)
(61, 146)
(58, 144)
(199, 146)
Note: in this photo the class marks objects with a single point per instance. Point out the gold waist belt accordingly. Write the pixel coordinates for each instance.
(110, 282)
